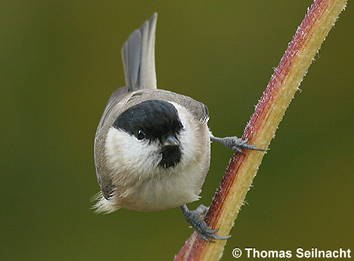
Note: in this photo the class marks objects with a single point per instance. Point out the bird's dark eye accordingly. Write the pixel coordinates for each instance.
(141, 135)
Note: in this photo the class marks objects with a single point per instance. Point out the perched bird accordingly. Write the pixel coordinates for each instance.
(152, 146)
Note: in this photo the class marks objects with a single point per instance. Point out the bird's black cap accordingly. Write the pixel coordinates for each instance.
(153, 120)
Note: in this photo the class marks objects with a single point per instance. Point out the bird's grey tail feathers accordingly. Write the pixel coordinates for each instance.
(138, 55)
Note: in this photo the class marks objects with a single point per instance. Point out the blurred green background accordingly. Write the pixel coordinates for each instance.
(59, 63)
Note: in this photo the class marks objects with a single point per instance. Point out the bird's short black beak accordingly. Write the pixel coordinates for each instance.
(170, 152)
(170, 141)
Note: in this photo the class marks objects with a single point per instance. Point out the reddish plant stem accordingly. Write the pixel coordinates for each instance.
(263, 124)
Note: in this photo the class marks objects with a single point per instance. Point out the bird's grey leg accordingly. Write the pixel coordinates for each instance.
(196, 219)
(234, 143)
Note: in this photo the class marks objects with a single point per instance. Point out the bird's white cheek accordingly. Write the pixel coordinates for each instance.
(190, 145)
(191, 137)
(125, 153)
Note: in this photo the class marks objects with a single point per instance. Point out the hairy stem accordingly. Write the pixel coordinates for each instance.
(262, 126)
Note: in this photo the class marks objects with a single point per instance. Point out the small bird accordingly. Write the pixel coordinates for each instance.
(152, 146)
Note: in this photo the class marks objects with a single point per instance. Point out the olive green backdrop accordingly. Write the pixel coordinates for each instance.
(59, 63)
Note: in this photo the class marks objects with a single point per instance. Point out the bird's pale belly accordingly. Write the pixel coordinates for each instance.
(168, 190)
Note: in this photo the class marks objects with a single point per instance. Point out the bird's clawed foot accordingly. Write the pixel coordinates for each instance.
(196, 219)
(235, 144)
